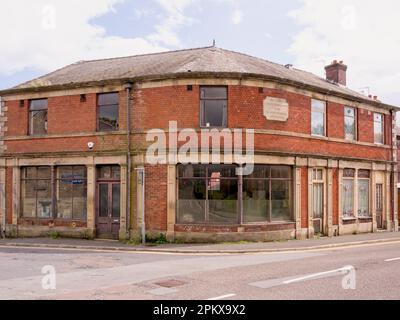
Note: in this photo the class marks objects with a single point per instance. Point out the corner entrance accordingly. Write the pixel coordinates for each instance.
(108, 202)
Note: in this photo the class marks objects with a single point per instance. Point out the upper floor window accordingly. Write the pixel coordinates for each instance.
(350, 123)
(379, 127)
(108, 112)
(38, 117)
(318, 118)
(213, 111)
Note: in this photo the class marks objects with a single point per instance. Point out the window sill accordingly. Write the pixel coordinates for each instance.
(249, 224)
(349, 218)
(52, 219)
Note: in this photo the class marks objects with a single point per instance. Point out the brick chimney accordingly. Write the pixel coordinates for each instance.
(336, 72)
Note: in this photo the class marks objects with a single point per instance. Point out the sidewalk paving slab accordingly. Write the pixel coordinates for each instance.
(228, 248)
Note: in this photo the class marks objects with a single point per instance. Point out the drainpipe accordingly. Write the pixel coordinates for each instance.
(3, 190)
(394, 170)
(128, 88)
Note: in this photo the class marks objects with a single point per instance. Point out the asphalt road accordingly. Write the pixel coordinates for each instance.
(362, 272)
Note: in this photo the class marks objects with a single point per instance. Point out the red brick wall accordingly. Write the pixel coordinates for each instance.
(304, 197)
(155, 107)
(68, 115)
(17, 119)
(365, 126)
(156, 198)
(335, 120)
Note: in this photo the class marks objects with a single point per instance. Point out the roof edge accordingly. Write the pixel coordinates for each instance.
(228, 75)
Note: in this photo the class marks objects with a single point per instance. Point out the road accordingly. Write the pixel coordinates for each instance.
(309, 275)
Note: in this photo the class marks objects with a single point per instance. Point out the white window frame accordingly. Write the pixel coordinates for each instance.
(355, 123)
(369, 216)
(317, 111)
(382, 122)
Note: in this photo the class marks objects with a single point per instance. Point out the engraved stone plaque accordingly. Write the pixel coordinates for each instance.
(276, 109)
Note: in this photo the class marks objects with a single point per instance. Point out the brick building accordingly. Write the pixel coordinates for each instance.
(72, 141)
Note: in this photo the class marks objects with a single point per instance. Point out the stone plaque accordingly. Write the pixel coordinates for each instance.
(276, 109)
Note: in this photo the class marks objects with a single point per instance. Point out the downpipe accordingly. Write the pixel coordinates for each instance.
(128, 90)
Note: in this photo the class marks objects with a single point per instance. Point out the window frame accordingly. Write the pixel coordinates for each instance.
(353, 196)
(355, 125)
(107, 105)
(240, 201)
(57, 179)
(324, 135)
(30, 112)
(382, 123)
(202, 107)
(53, 191)
(359, 178)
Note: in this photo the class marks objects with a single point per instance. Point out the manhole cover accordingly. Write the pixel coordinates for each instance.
(170, 283)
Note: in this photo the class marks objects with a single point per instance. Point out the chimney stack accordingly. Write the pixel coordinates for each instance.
(336, 72)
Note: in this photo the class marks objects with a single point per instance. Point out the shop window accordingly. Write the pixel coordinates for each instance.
(108, 112)
(36, 192)
(210, 194)
(363, 194)
(71, 192)
(318, 118)
(213, 107)
(38, 117)
(66, 201)
(348, 193)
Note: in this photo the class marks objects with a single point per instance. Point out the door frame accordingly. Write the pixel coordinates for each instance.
(110, 182)
(322, 181)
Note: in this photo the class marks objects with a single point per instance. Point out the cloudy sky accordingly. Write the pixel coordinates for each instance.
(42, 35)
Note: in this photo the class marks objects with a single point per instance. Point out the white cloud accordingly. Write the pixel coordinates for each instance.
(48, 34)
(360, 32)
(237, 17)
(174, 18)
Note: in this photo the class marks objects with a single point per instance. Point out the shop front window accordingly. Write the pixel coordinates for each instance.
(62, 195)
(348, 193)
(71, 192)
(36, 192)
(363, 194)
(210, 194)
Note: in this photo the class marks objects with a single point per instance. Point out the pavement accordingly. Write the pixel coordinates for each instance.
(222, 248)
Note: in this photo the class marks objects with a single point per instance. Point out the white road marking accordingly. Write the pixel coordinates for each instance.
(285, 281)
(222, 297)
(391, 260)
(319, 275)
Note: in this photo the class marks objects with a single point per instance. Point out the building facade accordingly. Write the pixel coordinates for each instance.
(74, 148)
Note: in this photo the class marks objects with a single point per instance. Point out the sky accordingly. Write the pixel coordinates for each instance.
(41, 36)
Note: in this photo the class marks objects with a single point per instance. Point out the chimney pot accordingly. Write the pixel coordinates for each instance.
(336, 72)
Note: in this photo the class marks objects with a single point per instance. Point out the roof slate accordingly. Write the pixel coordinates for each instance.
(199, 60)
